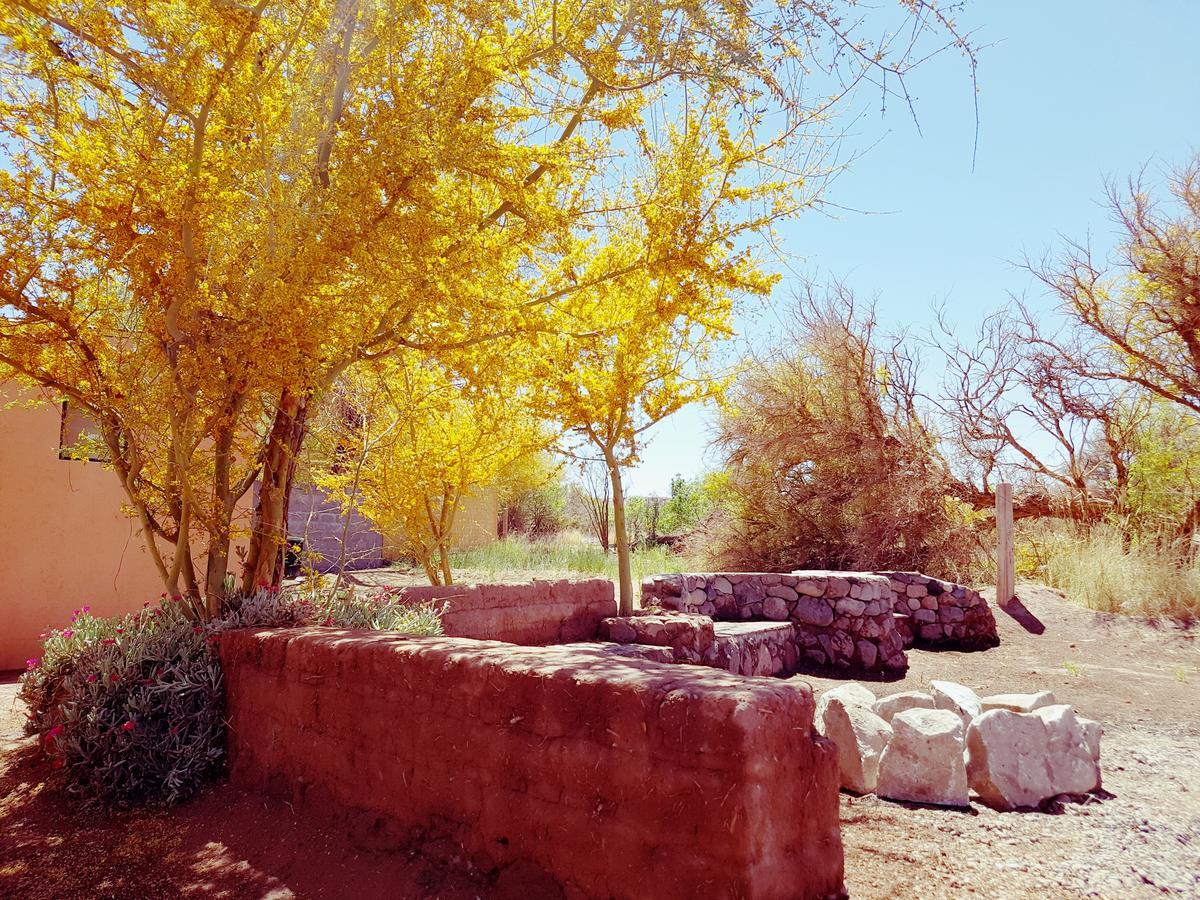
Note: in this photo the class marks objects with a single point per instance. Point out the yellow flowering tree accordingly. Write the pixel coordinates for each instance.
(414, 441)
(211, 210)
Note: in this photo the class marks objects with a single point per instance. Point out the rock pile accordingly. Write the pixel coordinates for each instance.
(1012, 751)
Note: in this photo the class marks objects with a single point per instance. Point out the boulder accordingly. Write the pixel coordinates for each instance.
(1021, 703)
(851, 694)
(860, 737)
(1091, 735)
(1017, 760)
(887, 707)
(1072, 755)
(923, 762)
(957, 699)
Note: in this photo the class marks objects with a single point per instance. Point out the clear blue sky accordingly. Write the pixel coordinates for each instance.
(1070, 92)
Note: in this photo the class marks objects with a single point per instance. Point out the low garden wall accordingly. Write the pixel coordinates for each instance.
(842, 620)
(534, 613)
(941, 613)
(618, 777)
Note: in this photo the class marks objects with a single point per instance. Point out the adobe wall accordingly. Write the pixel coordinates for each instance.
(619, 777)
(533, 613)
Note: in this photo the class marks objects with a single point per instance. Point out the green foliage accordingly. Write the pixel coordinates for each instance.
(1164, 470)
(378, 611)
(131, 708)
(690, 502)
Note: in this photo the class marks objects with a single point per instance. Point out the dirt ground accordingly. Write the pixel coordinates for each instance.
(1139, 837)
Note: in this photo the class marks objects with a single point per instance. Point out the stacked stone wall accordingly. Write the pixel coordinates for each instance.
(941, 613)
(842, 620)
(616, 777)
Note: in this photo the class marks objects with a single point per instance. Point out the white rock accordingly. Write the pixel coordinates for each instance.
(1020, 759)
(1091, 735)
(860, 736)
(1074, 768)
(1021, 703)
(956, 698)
(851, 694)
(923, 762)
(887, 707)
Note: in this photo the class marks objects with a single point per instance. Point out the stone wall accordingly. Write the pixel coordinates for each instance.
(841, 619)
(941, 613)
(537, 612)
(321, 523)
(617, 777)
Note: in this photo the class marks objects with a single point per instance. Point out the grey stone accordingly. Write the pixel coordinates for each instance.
(813, 611)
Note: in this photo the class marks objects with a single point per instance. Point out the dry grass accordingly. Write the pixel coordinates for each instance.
(1102, 571)
(566, 555)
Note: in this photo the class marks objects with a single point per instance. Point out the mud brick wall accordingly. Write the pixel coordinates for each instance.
(941, 613)
(535, 613)
(842, 619)
(617, 777)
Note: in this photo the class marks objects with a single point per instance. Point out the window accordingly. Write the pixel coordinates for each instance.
(79, 436)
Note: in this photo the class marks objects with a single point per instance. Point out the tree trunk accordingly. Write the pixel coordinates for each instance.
(264, 559)
(624, 564)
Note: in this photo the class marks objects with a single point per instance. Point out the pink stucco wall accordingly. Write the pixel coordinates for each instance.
(64, 541)
(612, 777)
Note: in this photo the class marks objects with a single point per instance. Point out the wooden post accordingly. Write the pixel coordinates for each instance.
(1006, 564)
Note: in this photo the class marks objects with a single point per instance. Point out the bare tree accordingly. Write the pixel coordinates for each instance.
(594, 493)
(1135, 320)
(830, 461)
(1022, 412)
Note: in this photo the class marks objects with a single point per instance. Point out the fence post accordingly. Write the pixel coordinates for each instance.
(1006, 566)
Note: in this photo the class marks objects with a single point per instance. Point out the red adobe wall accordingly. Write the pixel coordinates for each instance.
(538, 612)
(616, 777)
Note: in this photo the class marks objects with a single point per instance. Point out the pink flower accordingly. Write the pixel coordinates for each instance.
(68, 633)
(54, 732)
(87, 609)
(120, 630)
(91, 677)
(33, 663)
(113, 678)
(127, 725)
(58, 763)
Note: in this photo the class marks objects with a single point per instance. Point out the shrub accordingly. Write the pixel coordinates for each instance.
(829, 461)
(130, 708)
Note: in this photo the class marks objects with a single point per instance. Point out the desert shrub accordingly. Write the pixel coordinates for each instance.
(379, 611)
(829, 463)
(130, 708)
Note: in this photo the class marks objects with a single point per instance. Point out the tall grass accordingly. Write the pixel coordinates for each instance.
(1103, 571)
(565, 555)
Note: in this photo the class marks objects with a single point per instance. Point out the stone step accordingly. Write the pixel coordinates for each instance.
(755, 648)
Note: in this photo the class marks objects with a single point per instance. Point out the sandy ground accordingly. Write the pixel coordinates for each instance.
(1139, 837)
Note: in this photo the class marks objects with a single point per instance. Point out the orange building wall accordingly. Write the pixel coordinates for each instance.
(64, 542)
